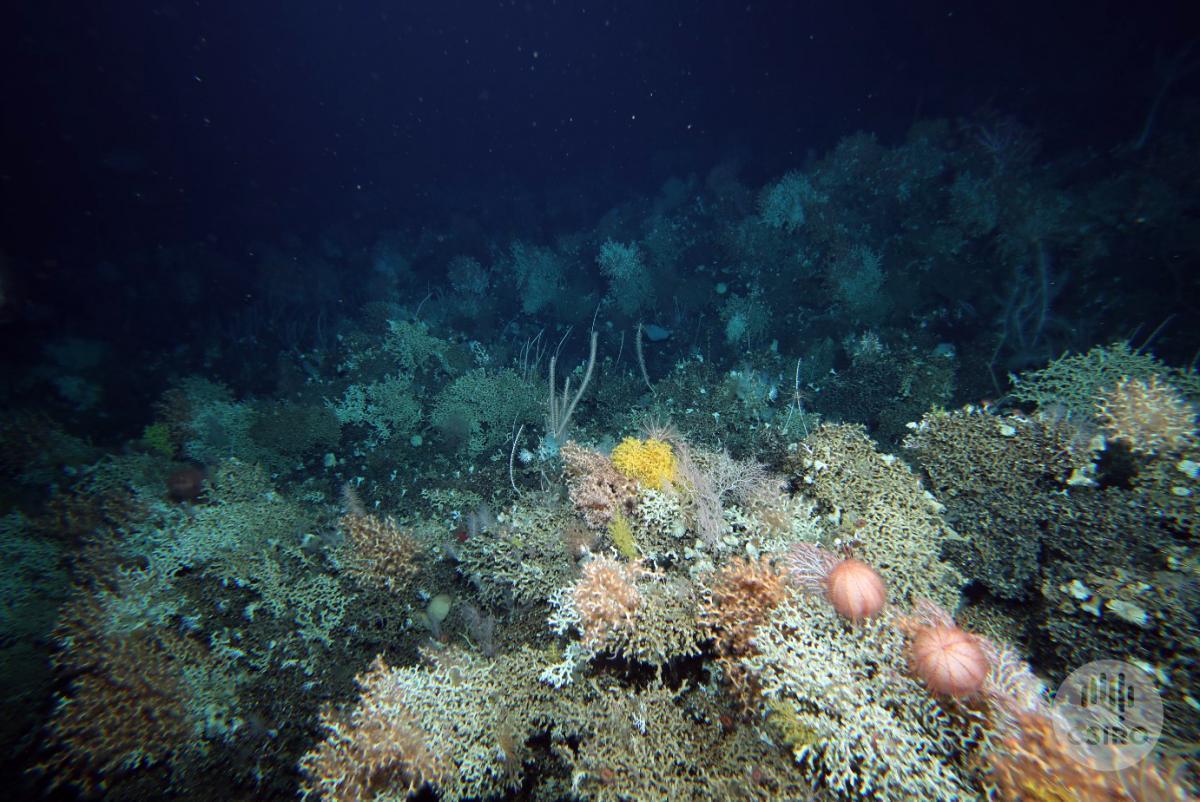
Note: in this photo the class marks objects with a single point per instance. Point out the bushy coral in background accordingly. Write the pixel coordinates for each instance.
(630, 288)
(1077, 381)
(477, 411)
(747, 319)
(857, 279)
(471, 281)
(412, 347)
(539, 275)
(297, 431)
(784, 203)
(386, 408)
(157, 436)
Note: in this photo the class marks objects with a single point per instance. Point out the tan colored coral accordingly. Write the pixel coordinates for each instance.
(597, 489)
(666, 625)
(492, 720)
(128, 712)
(1001, 477)
(142, 693)
(1171, 488)
(128, 702)
(1036, 763)
(378, 745)
(740, 597)
(895, 525)
(606, 598)
(525, 558)
(654, 743)
(1149, 416)
(859, 726)
(378, 551)
(630, 612)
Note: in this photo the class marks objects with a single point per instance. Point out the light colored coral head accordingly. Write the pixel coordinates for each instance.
(1150, 417)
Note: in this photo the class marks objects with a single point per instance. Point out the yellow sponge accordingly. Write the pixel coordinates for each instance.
(650, 462)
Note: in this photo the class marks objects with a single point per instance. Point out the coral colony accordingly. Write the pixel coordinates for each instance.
(371, 433)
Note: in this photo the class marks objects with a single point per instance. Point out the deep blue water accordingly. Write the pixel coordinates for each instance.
(143, 126)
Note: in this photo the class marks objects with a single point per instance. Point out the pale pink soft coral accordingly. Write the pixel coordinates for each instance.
(597, 489)
(606, 598)
(855, 589)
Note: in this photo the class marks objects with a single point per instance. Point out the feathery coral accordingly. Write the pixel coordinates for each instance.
(379, 552)
(376, 746)
(606, 598)
(1148, 416)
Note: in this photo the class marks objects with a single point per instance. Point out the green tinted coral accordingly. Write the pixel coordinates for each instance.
(478, 410)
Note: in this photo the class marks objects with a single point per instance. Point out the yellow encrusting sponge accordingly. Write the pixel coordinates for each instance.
(651, 462)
